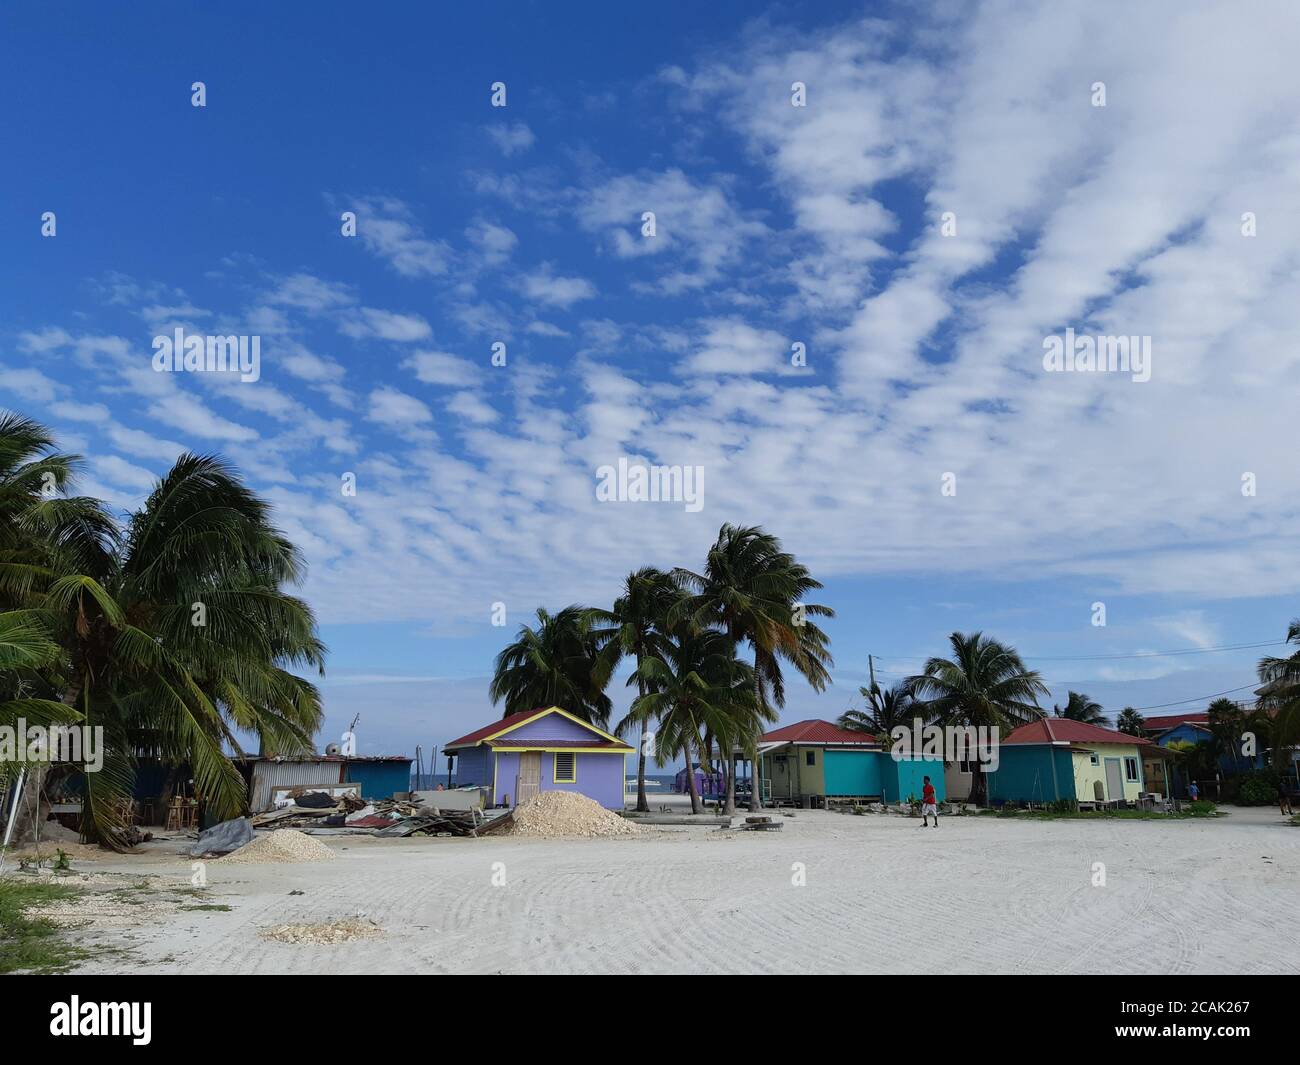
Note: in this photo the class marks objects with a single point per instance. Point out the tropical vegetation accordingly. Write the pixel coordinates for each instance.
(171, 630)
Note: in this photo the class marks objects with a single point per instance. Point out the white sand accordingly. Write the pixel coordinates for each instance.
(882, 895)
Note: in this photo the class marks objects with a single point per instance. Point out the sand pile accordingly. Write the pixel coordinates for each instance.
(282, 845)
(565, 813)
(343, 931)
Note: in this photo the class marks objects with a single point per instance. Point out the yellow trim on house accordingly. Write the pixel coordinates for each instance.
(543, 713)
(562, 750)
(555, 768)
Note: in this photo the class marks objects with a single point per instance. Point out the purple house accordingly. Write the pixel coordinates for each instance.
(541, 750)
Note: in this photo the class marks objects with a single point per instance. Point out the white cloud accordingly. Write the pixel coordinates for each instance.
(442, 368)
(184, 412)
(387, 229)
(394, 407)
(511, 137)
(545, 286)
(385, 325)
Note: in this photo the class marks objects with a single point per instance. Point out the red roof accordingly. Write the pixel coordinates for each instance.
(472, 738)
(815, 731)
(1063, 730)
(1159, 724)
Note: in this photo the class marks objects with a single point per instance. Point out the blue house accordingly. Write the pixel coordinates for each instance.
(533, 751)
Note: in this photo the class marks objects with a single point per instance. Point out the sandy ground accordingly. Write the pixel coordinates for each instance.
(881, 896)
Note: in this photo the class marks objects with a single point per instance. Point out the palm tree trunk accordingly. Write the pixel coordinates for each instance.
(690, 781)
(756, 789)
(730, 808)
(977, 784)
(642, 804)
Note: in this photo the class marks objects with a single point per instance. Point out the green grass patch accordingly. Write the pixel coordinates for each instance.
(218, 907)
(30, 944)
(1089, 815)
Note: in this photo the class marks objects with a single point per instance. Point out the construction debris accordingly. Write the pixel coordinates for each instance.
(751, 824)
(343, 931)
(284, 845)
(223, 838)
(565, 813)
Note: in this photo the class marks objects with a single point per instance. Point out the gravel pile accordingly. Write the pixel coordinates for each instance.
(282, 845)
(344, 931)
(565, 813)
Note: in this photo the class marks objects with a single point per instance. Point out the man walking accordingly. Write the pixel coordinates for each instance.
(929, 804)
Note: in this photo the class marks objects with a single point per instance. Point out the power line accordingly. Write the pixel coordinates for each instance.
(1198, 698)
(1097, 658)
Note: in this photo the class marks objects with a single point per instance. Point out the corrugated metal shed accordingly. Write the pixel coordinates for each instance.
(268, 774)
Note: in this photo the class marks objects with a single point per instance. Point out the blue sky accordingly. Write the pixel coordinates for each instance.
(776, 225)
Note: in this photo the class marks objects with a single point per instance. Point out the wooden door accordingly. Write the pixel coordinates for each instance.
(1114, 780)
(529, 781)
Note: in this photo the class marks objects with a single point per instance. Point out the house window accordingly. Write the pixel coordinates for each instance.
(1094, 758)
(810, 758)
(566, 768)
(1131, 769)
(964, 766)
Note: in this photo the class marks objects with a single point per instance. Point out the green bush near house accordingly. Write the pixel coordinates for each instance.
(1259, 787)
(1202, 808)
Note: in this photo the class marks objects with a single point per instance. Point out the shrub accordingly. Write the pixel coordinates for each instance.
(1259, 787)
(1202, 808)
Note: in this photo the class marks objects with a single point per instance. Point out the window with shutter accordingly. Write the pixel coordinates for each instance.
(566, 768)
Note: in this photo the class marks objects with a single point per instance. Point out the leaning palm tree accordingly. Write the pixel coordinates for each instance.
(1079, 707)
(1279, 697)
(636, 627)
(555, 664)
(753, 591)
(884, 711)
(693, 685)
(984, 684)
(179, 637)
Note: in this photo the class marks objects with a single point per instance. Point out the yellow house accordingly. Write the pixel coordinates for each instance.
(1107, 765)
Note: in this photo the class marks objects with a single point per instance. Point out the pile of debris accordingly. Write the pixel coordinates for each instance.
(283, 845)
(565, 813)
(318, 809)
(342, 931)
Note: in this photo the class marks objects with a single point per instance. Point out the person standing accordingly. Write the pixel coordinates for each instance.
(1193, 790)
(929, 804)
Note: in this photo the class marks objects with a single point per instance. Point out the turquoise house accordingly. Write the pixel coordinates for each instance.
(818, 761)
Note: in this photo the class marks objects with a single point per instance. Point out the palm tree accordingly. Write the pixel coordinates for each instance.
(635, 626)
(984, 684)
(1130, 722)
(753, 591)
(1279, 697)
(884, 712)
(42, 530)
(555, 664)
(178, 636)
(1079, 707)
(693, 684)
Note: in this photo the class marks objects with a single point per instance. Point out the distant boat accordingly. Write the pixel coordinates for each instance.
(631, 783)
